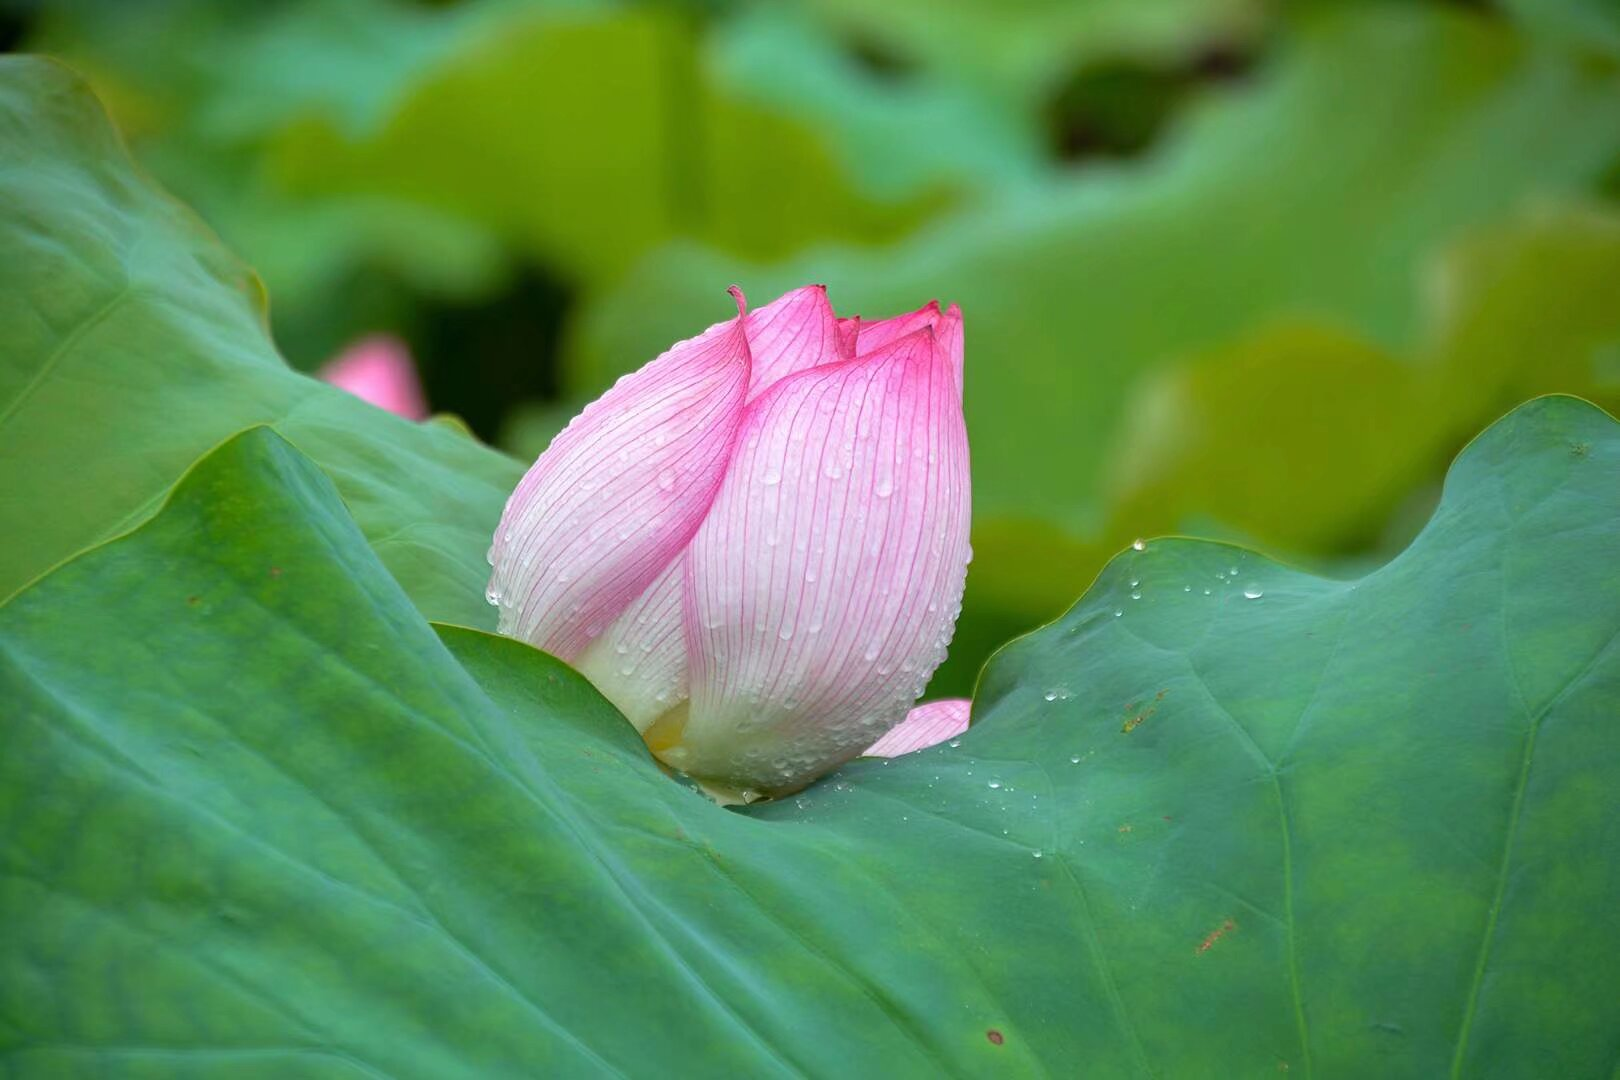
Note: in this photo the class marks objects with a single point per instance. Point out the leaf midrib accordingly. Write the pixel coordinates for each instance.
(1508, 845)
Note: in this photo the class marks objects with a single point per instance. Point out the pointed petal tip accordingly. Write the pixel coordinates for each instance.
(795, 332)
(737, 295)
(914, 345)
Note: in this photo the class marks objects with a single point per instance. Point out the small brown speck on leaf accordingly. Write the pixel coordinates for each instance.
(193, 600)
(1215, 935)
(275, 571)
(1134, 722)
(996, 1038)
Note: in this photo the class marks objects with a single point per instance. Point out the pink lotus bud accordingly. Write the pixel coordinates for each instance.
(378, 369)
(925, 726)
(755, 546)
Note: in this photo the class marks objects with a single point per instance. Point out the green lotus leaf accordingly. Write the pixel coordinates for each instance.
(131, 342)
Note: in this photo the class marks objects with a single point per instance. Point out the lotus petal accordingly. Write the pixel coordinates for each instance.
(924, 726)
(639, 663)
(619, 492)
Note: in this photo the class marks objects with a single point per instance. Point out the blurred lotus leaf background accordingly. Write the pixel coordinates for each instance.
(1233, 268)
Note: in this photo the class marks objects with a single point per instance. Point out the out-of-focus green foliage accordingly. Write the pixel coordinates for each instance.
(1022, 49)
(1306, 438)
(1304, 251)
(1319, 198)
(442, 145)
(1593, 24)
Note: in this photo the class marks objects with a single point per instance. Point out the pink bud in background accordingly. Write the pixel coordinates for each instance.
(755, 545)
(924, 726)
(378, 369)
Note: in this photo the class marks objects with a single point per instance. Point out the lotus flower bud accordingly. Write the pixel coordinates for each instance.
(378, 369)
(755, 545)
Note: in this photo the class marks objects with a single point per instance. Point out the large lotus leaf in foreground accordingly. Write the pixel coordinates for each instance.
(1223, 818)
